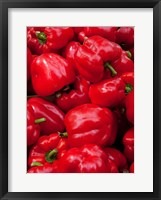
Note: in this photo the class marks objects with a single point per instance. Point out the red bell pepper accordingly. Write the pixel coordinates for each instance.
(50, 73)
(29, 61)
(33, 128)
(49, 39)
(116, 156)
(125, 37)
(131, 170)
(128, 142)
(76, 96)
(89, 158)
(129, 105)
(89, 123)
(128, 78)
(53, 115)
(106, 32)
(107, 93)
(48, 149)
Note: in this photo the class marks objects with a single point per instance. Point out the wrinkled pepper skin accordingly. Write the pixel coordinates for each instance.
(89, 158)
(116, 156)
(29, 61)
(48, 149)
(129, 105)
(74, 97)
(46, 168)
(90, 123)
(107, 93)
(125, 37)
(49, 39)
(53, 115)
(128, 142)
(50, 72)
(131, 170)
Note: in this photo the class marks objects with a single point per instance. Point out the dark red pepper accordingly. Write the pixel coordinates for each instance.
(48, 149)
(131, 170)
(53, 115)
(76, 96)
(107, 93)
(129, 105)
(29, 61)
(128, 141)
(50, 72)
(89, 123)
(49, 39)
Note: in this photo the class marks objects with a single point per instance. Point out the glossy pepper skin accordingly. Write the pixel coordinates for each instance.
(53, 115)
(106, 32)
(48, 149)
(125, 37)
(107, 93)
(89, 123)
(117, 157)
(129, 105)
(29, 61)
(89, 158)
(46, 168)
(50, 72)
(49, 39)
(74, 97)
(128, 142)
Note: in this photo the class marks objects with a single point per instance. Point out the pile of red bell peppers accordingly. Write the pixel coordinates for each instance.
(80, 100)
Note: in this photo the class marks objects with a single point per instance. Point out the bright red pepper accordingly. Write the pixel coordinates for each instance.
(76, 96)
(53, 115)
(89, 123)
(106, 32)
(128, 78)
(129, 105)
(125, 37)
(116, 156)
(29, 61)
(89, 158)
(132, 168)
(48, 149)
(107, 93)
(49, 39)
(128, 142)
(50, 73)
(33, 128)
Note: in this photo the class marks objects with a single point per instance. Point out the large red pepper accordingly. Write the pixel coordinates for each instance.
(129, 105)
(116, 156)
(33, 128)
(125, 37)
(128, 141)
(89, 123)
(29, 61)
(89, 158)
(48, 149)
(49, 39)
(94, 56)
(50, 72)
(107, 93)
(76, 96)
(106, 32)
(53, 115)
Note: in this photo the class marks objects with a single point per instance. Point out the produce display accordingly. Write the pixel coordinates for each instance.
(80, 100)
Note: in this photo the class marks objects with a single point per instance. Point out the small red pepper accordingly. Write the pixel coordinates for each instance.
(48, 149)
(89, 158)
(131, 170)
(107, 93)
(129, 105)
(125, 37)
(89, 123)
(106, 32)
(116, 156)
(53, 115)
(33, 128)
(78, 95)
(49, 39)
(128, 142)
(29, 61)
(50, 73)
(128, 78)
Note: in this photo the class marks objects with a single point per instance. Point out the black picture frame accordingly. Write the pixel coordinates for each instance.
(156, 5)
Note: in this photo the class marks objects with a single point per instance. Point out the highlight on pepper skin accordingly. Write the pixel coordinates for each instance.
(80, 99)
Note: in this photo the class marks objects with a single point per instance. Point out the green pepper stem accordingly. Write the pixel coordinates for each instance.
(128, 54)
(51, 155)
(128, 88)
(41, 37)
(65, 134)
(36, 164)
(112, 70)
(37, 121)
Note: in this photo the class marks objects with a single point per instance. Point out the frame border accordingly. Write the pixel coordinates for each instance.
(4, 5)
